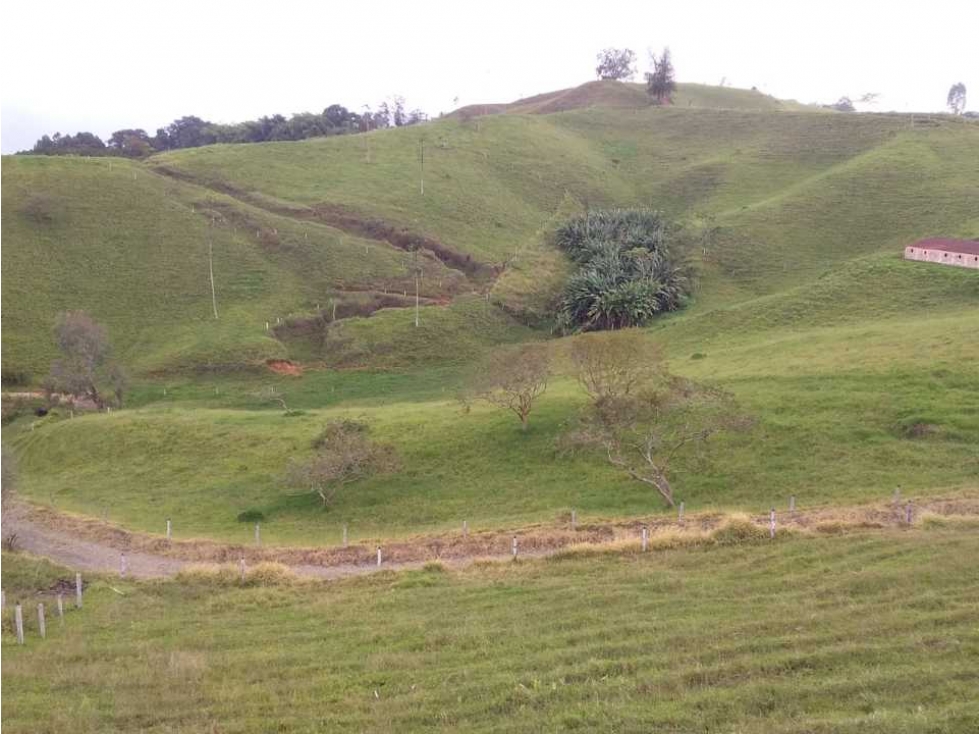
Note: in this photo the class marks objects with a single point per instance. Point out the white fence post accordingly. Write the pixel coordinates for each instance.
(19, 623)
(378, 556)
(345, 535)
(574, 519)
(41, 626)
(61, 609)
(258, 533)
(771, 524)
(792, 503)
(169, 530)
(513, 547)
(465, 528)
(241, 568)
(645, 538)
(680, 515)
(78, 590)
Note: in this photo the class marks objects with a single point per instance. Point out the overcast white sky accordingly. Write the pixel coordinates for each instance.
(70, 66)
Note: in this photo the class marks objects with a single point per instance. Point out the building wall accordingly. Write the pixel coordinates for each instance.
(943, 257)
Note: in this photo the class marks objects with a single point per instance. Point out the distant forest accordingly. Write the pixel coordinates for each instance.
(193, 132)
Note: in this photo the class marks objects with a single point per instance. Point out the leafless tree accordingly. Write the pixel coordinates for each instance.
(648, 433)
(513, 378)
(614, 364)
(86, 368)
(344, 453)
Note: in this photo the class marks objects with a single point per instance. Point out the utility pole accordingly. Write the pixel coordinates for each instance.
(422, 142)
(210, 268)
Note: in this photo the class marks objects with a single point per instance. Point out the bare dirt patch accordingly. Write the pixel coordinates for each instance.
(284, 367)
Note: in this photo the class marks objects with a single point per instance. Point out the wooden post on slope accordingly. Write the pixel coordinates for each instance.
(41, 626)
(19, 624)
(78, 591)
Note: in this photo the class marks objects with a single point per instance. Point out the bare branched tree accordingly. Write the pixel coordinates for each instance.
(86, 368)
(513, 378)
(344, 453)
(615, 364)
(648, 434)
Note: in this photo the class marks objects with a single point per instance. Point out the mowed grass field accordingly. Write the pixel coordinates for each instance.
(870, 632)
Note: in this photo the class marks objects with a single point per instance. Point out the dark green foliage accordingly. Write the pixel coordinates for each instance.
(628, 273)
(661, 83)
(193, 132)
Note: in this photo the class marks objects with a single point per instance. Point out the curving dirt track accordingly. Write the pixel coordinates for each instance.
(87, 544)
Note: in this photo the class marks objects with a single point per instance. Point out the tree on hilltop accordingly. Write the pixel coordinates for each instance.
(616, 63)
(661, 83)
(956, 98)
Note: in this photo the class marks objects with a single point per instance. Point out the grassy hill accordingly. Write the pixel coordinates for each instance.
(294, 225)
(804, 308)
(870, 632)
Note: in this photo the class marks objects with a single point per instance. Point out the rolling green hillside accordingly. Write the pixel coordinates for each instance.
(804, 308)
(292, 225)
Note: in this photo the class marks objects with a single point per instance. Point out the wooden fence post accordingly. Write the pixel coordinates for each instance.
(680, 516)
(78, 590)
(19, 623)
(574, 519)
(41, 626)
(513, 547)
(645, 538)
(771, 524)
(465, 528)
(169, 530)
(258, 533)
(345, 535)
(61, 609)
(378, 556)
(241, 568)
(792, 503)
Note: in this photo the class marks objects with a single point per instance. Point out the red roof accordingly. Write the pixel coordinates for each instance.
(966, 247)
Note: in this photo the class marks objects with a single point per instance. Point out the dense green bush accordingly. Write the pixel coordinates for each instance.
(628, 270)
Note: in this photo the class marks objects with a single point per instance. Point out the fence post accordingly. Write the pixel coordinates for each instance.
(909, 513)
(61, 609)
(19, 623)
(680, 516)
(513, 547)
(792, 503)
(378, 556)
(645, 538)
(574, 519)
(345, 535)
(258, 533)
(241, 568)
(169, 530)
(41, 626)
(465, 528)
(897, 496)
(771, 524)
(78, 590)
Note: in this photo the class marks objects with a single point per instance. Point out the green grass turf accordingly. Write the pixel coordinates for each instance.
(834, 406)
(862, 633)
(797, 195)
